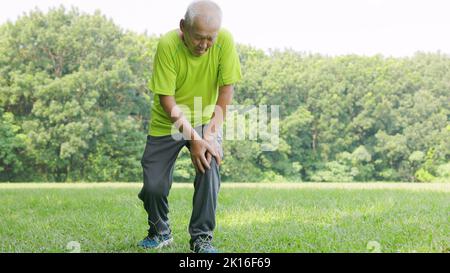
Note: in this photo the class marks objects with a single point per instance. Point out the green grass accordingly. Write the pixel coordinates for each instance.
(302, 217)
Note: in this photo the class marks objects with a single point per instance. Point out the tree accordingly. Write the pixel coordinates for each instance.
(77, 83)
(12, 147)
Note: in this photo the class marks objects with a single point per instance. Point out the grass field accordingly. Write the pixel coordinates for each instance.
(300, 217)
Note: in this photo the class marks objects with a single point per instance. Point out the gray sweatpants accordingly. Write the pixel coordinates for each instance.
(158, 163)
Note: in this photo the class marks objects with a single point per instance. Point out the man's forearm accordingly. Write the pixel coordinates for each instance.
(176, 115)
(183, 125)
(224, 99)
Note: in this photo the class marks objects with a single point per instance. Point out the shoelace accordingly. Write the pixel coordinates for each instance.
(155, 238)
(203, 243)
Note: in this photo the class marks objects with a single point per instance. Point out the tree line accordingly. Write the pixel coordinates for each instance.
(75, 106)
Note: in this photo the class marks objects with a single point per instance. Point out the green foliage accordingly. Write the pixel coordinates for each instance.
(12, 147)
(76, 84)
(443, 172)
(333, 171)
(423, 175)
(184, 172)
(239, 161)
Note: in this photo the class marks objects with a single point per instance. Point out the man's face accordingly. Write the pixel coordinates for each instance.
(200, 36)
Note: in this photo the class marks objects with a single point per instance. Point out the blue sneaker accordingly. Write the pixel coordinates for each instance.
(203, 245)
(156, 242)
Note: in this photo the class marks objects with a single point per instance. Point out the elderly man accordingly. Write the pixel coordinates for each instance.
(194, 66)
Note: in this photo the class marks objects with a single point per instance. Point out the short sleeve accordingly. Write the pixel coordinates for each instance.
(229, 66)
(163, 80)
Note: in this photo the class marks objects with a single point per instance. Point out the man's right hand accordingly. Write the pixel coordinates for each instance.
(198, 154)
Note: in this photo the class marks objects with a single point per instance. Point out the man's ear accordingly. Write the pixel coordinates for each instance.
(182, 25)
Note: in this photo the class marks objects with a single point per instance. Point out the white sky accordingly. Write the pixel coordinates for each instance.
(332, 27)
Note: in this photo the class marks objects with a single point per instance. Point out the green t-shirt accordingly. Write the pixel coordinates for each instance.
(178, 73)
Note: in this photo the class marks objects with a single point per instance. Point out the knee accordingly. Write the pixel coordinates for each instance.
(214, 168)
(214, 165)
(152, 190)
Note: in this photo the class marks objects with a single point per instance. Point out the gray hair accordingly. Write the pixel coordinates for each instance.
(207, 9)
